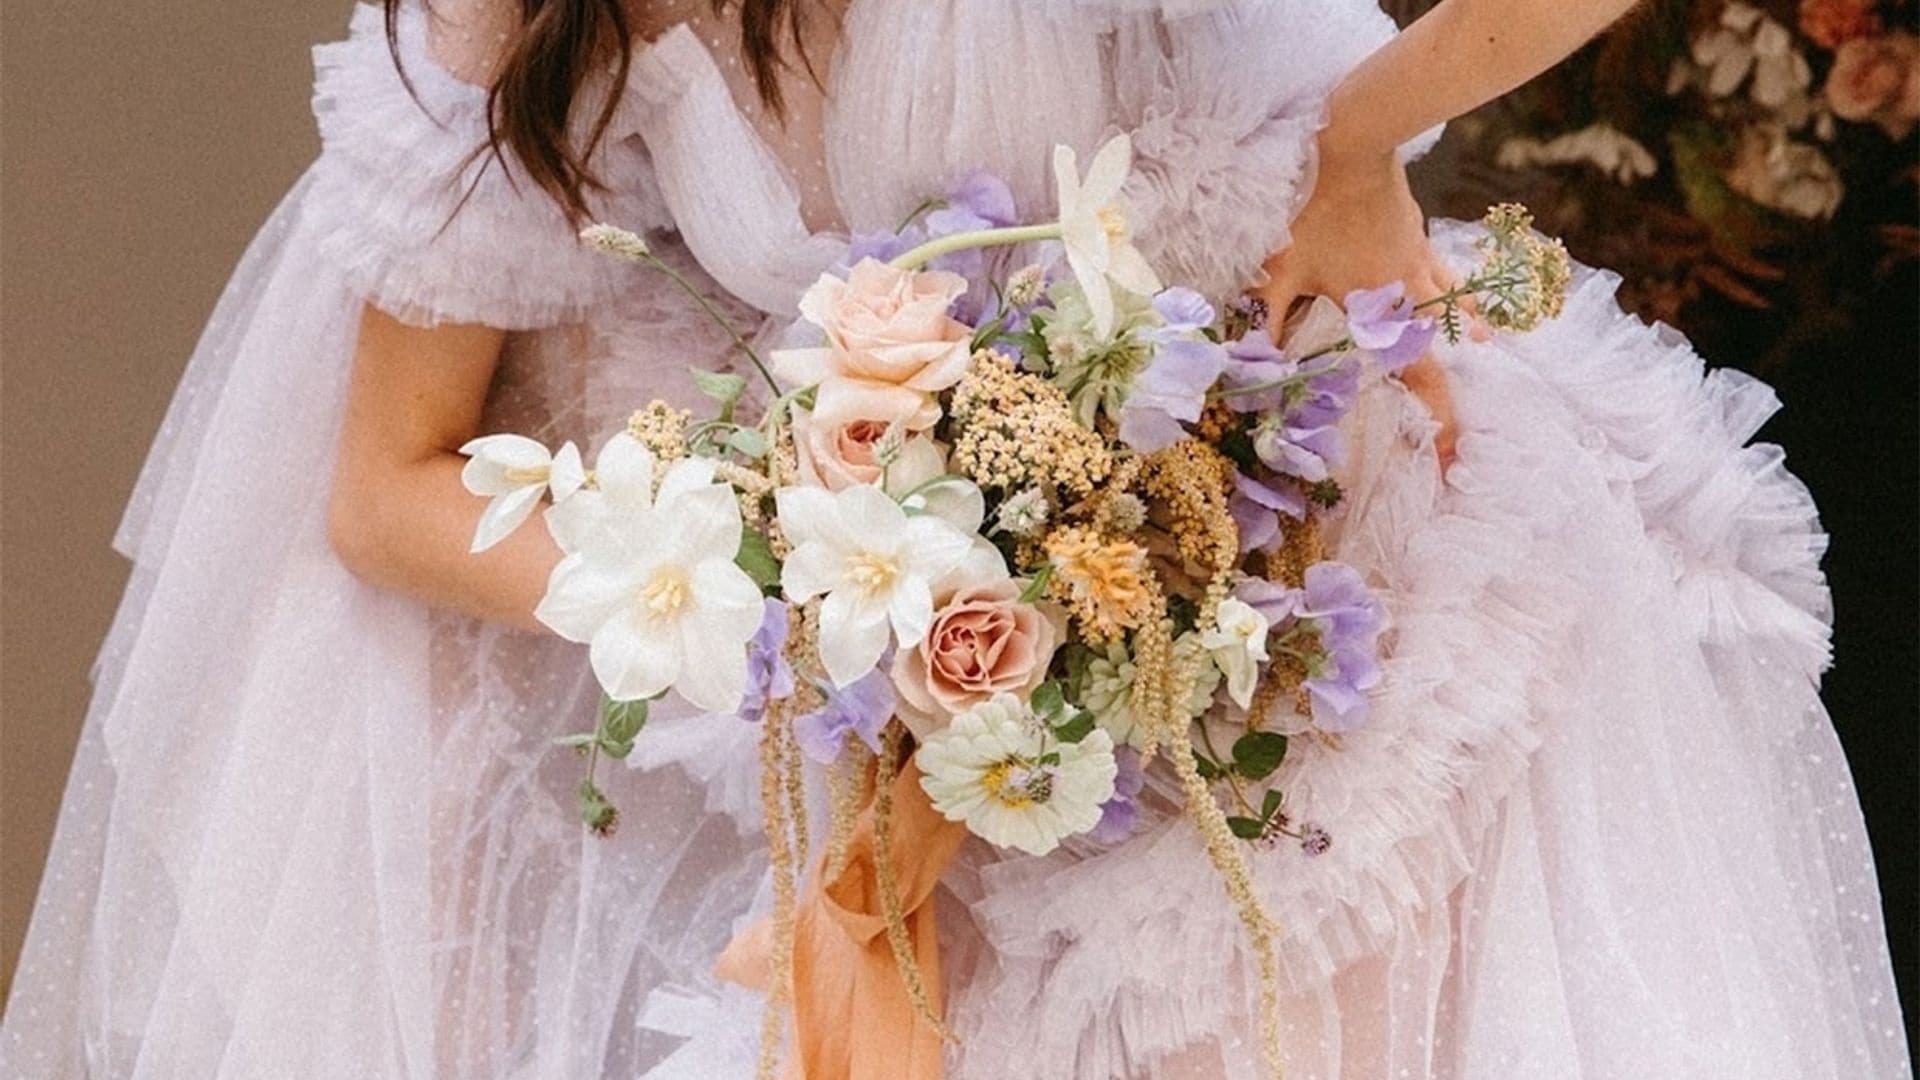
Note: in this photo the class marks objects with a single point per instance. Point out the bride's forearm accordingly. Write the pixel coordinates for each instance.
(1455, 58)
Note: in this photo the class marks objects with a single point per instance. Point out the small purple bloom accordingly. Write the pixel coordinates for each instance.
(1256, 508)
(861, 710)
(1254, 360)
(1170, 389)
(1120, 815)
(1382, 322)
(1315, 840)
(769, 677)
(977, 200)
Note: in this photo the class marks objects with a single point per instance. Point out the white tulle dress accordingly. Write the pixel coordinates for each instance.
(1599, 828)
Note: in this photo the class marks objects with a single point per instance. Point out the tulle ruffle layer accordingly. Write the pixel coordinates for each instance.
(400, 155)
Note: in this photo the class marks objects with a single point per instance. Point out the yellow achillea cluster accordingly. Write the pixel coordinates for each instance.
(662, 429)
(1014, 430)
(1102, 583)
(1191, 481)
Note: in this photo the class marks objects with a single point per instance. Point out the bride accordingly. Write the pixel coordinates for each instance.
(316, 827)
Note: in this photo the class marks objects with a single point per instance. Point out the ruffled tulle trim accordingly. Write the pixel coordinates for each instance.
(1590, 436)
(429, 226)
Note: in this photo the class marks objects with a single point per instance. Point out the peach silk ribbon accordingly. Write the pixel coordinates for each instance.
(852, 1016)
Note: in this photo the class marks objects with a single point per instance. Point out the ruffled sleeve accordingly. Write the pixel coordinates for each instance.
(1223, 99)
(406, 204)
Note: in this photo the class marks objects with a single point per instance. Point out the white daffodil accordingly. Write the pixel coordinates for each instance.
(875, 565)
(651, 586)
(1238, 642)
(1095, 230)
(995, 768)
(514, 471)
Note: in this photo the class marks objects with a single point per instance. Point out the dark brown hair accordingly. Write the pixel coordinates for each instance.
(531, 98)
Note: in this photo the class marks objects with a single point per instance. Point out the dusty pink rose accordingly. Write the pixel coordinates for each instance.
(983, 641)
(887, 329)
(1877, 79)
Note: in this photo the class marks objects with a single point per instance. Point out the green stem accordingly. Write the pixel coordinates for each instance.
(978, 238)
(1297, 378)
(714, 314)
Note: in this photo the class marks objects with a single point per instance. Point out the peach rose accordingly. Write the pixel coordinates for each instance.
(1877, 79)
(836, 455)
(886, 328)
(983, 641)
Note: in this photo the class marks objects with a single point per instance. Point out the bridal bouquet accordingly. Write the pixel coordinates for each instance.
(1015, 506)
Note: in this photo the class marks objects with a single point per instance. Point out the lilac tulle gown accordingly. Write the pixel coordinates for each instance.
(1598, 828)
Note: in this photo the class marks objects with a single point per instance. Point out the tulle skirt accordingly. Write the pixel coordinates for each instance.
(1599, 828)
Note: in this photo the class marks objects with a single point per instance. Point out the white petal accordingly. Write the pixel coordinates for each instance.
(568, 474)
(810, 570)
(910, 610)
(954, 500)
(634, 658)
(684, 476)
(935, 547)
(920, 460)
(490, 457)
(581, 597)
(729, 605)
(1108, 170)
(700, 524)
(1129, 270)
(982, 568)
(1066, 178)
(716, 679)
(851, 640)
(505, 514)
(1099, 292)
(807, 515)
(869, 517)
(569, 522)
(625, 470)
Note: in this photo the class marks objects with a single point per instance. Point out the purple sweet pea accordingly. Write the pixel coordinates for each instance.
(1254, 360)
(1382, 322)
(1183, 310)
(1345, 618)
(769, 677)
(1256, 508)
(977, 200)
(861, 710)
(1310, 453)
(1120, 815)
(1170, 389)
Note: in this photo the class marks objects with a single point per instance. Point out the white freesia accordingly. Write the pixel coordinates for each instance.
(650, 584)
(1238, 642)
(1095, 230)
(996, 768)
(514, 471)
(873, 562)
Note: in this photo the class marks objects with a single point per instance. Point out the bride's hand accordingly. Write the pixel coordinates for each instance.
(1361, 229)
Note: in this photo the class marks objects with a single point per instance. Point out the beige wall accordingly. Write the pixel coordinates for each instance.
(140, 146)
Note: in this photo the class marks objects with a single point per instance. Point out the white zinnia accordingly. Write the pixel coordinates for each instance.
(986, 769)
(1238, 642)
(651, 586)
(874, 564)
(514, 471)
(1095, 231)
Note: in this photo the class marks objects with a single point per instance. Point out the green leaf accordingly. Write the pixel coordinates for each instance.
(722, 386)
(987, 333)
(1247, 828)
(1076, 729)
(1051, 757)
(1208, 768)
(1049, 699)
(749, 442)
(756, 558)
(1037, 585)
(1271, 803)
(1257, 753)
(620, 723)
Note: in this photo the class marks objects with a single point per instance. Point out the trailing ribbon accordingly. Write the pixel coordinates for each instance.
(853, 1016)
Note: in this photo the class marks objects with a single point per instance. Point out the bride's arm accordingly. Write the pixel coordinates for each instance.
(1361, 227)
(399, 517)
